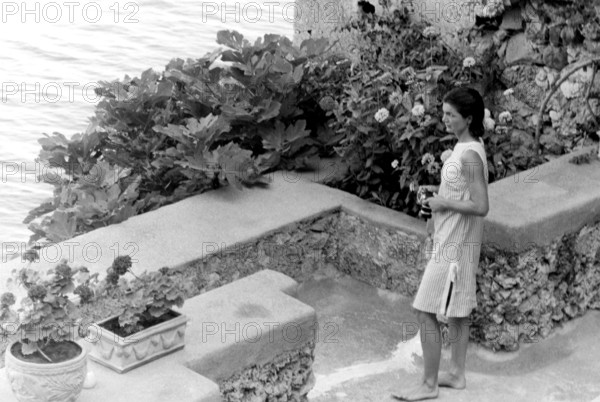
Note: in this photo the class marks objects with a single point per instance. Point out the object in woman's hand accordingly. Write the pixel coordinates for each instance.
(425, 212)
(422, 195)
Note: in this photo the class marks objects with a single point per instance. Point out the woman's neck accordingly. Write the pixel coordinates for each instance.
(466, 136)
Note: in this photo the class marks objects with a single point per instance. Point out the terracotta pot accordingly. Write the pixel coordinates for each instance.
(124, 354)
(46, 382)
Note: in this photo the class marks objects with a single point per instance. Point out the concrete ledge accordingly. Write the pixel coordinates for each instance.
(221, 341)
(193, 228)
(541, 204)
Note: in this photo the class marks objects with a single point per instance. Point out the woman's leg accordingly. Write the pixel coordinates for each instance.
(458, 334)
(431, 342)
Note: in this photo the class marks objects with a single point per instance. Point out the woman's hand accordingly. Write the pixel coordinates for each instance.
(436, 203)
(432, 188)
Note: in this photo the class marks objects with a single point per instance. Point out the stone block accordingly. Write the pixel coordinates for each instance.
(512, 19)
(518, 48)
(537, 206)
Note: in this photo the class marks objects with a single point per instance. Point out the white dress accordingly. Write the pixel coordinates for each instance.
(456, 244)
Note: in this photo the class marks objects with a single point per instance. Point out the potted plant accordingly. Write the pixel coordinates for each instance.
(147, 328)
(43, 362)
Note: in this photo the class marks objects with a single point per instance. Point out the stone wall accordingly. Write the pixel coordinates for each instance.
(318, 18)
(383, 257)
(523, 296)
(287, 378)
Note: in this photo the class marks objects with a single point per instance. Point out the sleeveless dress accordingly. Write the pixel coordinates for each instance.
(448, 285)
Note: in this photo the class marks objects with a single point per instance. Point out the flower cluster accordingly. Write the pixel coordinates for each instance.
(431, 32)
(381, 115)
(504, 117)
(555, 117)
(418, 110)
(37, 292)
(63, 270)
(427, 158)
(571, 89)
(85, 293)
(432, 166)
(468, 62)
(121, 264)
(408, 74)
(491, 9)
(327, 103)
(488, 122)
(7, 299)
(396, 97)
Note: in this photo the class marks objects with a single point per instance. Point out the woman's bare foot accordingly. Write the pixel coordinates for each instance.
(451, 381)
(419, 393)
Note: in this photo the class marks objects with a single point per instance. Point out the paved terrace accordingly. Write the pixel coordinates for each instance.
(537, 206)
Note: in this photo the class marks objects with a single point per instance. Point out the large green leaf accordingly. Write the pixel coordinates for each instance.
(62, 226)
(232, 39)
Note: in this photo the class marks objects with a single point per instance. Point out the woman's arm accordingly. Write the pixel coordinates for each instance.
(478, 204)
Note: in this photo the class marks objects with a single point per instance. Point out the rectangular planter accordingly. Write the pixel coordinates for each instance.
(124, 354)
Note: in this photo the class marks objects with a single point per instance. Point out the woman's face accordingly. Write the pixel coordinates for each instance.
(454, 121)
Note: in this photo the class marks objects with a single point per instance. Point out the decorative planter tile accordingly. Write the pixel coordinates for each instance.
(124, 354)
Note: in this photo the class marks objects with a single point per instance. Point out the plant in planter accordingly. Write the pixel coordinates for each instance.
(43, 361)
(147, 328)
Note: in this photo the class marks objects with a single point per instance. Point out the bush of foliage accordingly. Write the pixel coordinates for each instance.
(162, 137)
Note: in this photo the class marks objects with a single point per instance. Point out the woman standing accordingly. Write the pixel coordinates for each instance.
(448, 284)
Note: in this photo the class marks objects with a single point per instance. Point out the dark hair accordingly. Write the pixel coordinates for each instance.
(468, 102)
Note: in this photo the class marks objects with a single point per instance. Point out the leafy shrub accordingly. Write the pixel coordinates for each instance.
(46, 316)
(388, 109)
(162, 137)
(144, 299)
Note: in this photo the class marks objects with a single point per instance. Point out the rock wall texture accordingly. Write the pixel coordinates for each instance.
(288, 378)
(521, 296)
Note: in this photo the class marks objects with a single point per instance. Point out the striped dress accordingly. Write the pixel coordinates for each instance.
(448, 284)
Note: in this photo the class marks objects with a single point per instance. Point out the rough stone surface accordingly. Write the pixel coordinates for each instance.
(382, 256)
(512, 19)
(287, 378)
(385, 259)
(522, 80)
(523, 296)
(518, 48)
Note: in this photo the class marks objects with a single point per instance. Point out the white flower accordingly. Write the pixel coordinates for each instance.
(396, 97)
(433, 168)
(431, 32)
(571, 89)
(468, 62)
(508, 92)
(489, 123)
(541, 79)
(427, 158)
(382, 114)
(487, 113)
(418, 110)
(504, 117)
(492, 8)
(445, 155)
(554, 115)
(395, 163)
